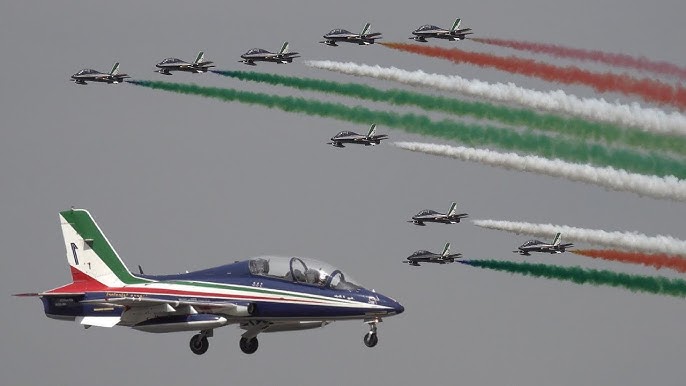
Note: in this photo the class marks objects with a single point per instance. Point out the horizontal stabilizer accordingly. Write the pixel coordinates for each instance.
(99, 321)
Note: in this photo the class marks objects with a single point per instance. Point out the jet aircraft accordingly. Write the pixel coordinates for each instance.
(168, 65)
(263, 294)
(428, 215)
(539, 246)
(370, 139)
(431, 31)
(89, 75)
(430, 257)
(260, 55)
(340, 35)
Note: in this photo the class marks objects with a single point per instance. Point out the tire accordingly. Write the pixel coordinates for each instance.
(199, 344)
(370, 339)
(249, 346)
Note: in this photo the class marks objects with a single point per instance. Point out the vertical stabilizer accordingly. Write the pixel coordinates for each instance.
(446, 250)
(456, 25)
(453, 209)
(557, 240)
(366, 28)
(115, 69)
(284, 48)
(372, 130)
(199, 58)
(89, 252)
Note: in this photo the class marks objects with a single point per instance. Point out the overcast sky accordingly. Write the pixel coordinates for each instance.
(181, 183)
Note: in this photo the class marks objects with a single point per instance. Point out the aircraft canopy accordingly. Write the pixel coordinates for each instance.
(87, 71)
(171, 60)
(427, 27)
(302, 270)
(339, 31)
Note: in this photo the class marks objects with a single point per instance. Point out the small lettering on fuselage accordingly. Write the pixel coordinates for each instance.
(123, 295)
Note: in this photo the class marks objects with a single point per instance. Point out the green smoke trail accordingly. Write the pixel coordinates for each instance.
(471, 135)
(573, 127)
(578, 275)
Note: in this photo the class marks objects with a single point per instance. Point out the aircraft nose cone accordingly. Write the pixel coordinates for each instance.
(399, 309)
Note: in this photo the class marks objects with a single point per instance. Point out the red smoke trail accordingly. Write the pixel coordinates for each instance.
(619, 60)
(648, 89)
(657, 260)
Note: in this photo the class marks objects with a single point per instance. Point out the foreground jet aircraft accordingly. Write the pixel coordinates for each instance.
(260, 55)
(173, 64)
(431, 31)
(88, 75)
(430, 257)
(341, 35)
(370, 139)
(428, 215)
(266, 294)
(539, 246)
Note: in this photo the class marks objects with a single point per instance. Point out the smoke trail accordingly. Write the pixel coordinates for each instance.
(657, 261)
(628, 241)
(578, 275)
(619, 180)
(473, 135)
(618, 60)
(543, 122)
(649, 90)
(649, 119)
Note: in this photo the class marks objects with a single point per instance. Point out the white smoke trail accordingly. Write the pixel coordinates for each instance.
(620, 180)
(631, 241)
(649, 119)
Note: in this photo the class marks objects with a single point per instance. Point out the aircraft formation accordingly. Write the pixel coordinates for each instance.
(283, 56)
(260, 294)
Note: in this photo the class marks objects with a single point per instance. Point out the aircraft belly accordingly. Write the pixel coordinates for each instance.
(323, 312)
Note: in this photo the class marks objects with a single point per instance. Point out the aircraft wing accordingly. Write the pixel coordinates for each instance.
(129, 301)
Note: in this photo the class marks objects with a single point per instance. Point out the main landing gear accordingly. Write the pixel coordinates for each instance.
(249, 345)
(199, 342)
(371, 338)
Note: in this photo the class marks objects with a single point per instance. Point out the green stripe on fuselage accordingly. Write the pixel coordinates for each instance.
(252, 289)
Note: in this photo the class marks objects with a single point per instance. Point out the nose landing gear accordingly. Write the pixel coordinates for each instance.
(371, 338)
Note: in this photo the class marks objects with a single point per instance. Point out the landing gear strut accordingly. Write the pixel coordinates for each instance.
(371, 338)
(249, 345)
(199, 342)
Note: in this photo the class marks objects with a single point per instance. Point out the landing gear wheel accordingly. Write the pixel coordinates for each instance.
(371, 339)
(248, 346)
(199, 344)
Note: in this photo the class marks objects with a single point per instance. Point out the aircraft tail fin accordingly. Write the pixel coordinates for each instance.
(446, 250)
(456, 25)
(115, 69)
(557, 240)
(90, 255)
(200, 57)
(284, 48)
(372, 130)
(453, 209)
(366, 28)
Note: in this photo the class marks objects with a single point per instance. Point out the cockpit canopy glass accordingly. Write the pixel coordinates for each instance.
(302, 270)
(531, 242)
(256, 51)
(420, 253)
(427, 27)
(87, 71)
(339, 31)
(427, 212)
(171, 60)
(345, 134)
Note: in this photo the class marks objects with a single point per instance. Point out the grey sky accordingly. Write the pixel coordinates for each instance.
(180, 183)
